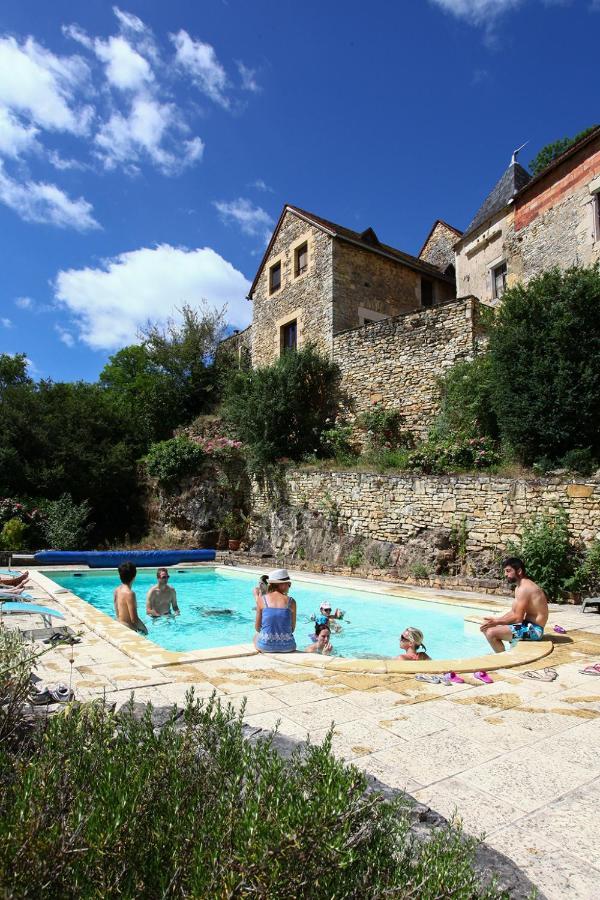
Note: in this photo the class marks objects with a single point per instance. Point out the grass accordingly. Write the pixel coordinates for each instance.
(97, 805)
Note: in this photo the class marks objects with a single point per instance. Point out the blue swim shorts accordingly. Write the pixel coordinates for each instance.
(527, 631)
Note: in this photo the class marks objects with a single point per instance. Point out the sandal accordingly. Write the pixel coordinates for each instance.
(453, 678)
(483, 676)
(532, 674)
(559, 629)
(591, 670)
(550, 674)
(431, 679)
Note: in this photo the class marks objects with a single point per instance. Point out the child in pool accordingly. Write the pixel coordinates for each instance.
(322, 644)
(326, 614)
(410, 641)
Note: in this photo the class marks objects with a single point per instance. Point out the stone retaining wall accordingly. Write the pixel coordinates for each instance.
(398, 508)
(397, 362)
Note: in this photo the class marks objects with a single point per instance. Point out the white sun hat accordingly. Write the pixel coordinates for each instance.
(278, 576)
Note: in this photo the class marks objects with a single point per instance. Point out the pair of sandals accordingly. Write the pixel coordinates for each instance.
(548, 674)
(594, 669)
(59, 638)
(452, 678)
(60, 693)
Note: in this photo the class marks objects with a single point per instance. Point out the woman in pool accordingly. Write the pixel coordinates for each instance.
(322, 644)
(275, 615)
(410, 641)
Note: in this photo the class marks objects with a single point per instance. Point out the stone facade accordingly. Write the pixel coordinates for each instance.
(397, 508)
(240, 345)
(438, 249)
(306, 299)
(553, 221)
(397, 362)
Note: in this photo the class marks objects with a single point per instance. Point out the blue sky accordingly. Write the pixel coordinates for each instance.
(146, 150)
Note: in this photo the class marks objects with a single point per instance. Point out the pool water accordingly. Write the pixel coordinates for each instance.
(217, 610)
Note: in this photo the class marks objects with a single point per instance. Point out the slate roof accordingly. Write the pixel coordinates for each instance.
(514, 179)
(366, 240)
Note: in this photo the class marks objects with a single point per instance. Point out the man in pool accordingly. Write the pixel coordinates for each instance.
(529, 614)
(161, 597)
(125, 601)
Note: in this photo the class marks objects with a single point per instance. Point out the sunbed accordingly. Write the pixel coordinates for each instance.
(45, 612)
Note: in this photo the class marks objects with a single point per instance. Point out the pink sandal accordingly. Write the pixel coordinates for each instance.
(483, 676)
(453, 678)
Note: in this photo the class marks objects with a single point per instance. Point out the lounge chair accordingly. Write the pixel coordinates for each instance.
(8, 595)
(45, 612)
(591, 601)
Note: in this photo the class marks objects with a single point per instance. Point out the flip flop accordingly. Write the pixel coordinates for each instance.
(483, 676)
(550, 673)
(532, 674)
(591, 670)
(432, 679)
(559, 629)
(453, 678)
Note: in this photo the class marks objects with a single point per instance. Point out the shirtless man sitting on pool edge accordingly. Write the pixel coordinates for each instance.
(529, 613)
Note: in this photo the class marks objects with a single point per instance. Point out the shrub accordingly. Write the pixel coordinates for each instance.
(544, 350)
(65, 523)
(440, 457)
(168, 461)
(78, 818)
(12, 536)
(419, 570)
(354, 559)
(384, 428)
(586, 578)
(281, 411)
(383, 460)
(466, 401)
(580, 460)
(547, 553)
(337, 443)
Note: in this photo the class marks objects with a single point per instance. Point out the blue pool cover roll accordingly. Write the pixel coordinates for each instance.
(101, 559)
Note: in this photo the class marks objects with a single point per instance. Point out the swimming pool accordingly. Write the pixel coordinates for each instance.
(217, 610)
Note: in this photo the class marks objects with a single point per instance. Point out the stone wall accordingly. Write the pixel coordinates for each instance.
(239, 344)
(398, 508)
(480, 253)
(307, 298)
(365, 282)
(438, 249)
(397, 362)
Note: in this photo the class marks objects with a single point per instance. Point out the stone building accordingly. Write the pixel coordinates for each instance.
(527, 225)
(317, 279)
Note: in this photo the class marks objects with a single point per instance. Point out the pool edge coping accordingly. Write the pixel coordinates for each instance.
(151, 655)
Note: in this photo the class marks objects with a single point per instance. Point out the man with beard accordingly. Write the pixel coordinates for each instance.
(529, 613)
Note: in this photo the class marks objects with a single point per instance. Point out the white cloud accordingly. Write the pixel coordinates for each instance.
(24, 302)
(36, 83)
(477, 12)
(125, 68)
(200, 61)
(6, 323)
(60, 163)
(65, 336)
(15, 137)
(111, 303)
(261, 185)
(253, 220)
(248, 78)
(38, 201)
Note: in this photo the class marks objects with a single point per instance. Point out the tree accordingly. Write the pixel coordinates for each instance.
(544, 358)
(551, 151)
(282, 410)
(466, 401)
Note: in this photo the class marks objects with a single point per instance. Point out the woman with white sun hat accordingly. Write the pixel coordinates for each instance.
(275, 615)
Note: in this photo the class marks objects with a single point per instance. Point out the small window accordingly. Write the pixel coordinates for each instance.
(274, 278)
(426, 292)
(301, 259)
(289, 335)
(498, 280)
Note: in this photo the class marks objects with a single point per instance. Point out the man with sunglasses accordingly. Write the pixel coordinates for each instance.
(161, 597)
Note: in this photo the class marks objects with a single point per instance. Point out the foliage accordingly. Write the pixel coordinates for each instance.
(466, 401)
(384, 460)
(337, 443)
(551, 151)
(355, 559)
(203, 813)
(11, 509)
(16, 665)
(233, 525)
(281, 411)
(544, 358)
(168, 461)
(384, 428)
(586, 578)
(419, 570)
(459, 535)
(440, 457)
(547, 553)
(65, 524)
(12, 536)
(579, 460)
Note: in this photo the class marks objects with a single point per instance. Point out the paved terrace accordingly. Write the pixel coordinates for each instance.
(518, 760)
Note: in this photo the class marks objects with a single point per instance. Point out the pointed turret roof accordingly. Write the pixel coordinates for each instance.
(514, 179)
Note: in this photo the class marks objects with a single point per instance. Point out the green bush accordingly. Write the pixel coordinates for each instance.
(440, 457)
(337, 443)
(12, 536)
(466, 401)
(168, 461)
(544, 358)
(586, 578)
(65, 524)
(579, 460)
(281, 411)
(355, 559)
(101, 805)
(384, 428)
(546, 550)
(384, 460)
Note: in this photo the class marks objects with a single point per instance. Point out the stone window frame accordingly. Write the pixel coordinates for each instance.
(306, 238)
(492, 266)
(371, 314)
(277, 260)
(294, 315)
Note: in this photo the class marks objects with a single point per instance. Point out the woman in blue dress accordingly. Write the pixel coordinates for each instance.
(275, 615)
